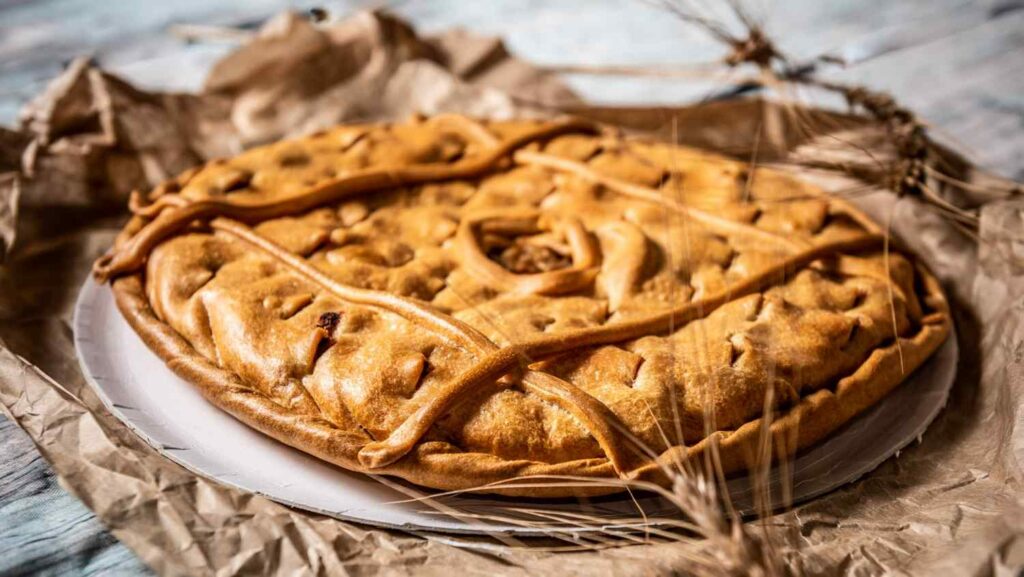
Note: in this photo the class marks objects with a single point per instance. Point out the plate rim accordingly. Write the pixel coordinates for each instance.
(90, 290)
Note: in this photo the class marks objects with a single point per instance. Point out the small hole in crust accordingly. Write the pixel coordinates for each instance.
(854, 332)
(328, 321)
(858, 299)
(527, 258)
(293, 159)
(542, 323)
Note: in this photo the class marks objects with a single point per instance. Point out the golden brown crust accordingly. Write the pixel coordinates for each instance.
(798, 308)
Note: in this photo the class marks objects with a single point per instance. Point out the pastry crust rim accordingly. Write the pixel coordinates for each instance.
(442, 466)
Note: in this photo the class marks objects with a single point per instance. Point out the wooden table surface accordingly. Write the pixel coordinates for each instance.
(959, 64)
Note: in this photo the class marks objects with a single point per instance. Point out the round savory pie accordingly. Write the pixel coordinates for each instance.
(465, 303)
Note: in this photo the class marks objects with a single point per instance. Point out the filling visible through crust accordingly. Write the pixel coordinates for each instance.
(545, 293)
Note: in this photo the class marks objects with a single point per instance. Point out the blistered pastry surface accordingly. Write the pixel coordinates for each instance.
(367, 369)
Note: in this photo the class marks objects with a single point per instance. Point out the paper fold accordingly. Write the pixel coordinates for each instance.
(954, 503)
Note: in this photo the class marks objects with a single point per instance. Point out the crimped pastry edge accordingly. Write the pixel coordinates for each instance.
(442, 466)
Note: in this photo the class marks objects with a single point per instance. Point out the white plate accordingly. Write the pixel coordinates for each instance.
(170, 414)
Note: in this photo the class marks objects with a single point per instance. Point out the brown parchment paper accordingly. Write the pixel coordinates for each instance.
(952, 503)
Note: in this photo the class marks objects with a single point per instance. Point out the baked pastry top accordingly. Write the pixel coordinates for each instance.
(464, 303)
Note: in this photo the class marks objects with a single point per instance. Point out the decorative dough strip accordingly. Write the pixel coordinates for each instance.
(716, 224)
(151, 210)
(500, 362)
(597, 418)
(585, 258)
(472, 129)
(130, 256)
(416, 311)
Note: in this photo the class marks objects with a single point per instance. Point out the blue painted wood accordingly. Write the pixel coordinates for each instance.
(969, 81)
(43, 529)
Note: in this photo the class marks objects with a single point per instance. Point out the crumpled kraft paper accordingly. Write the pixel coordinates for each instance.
(952, 503)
